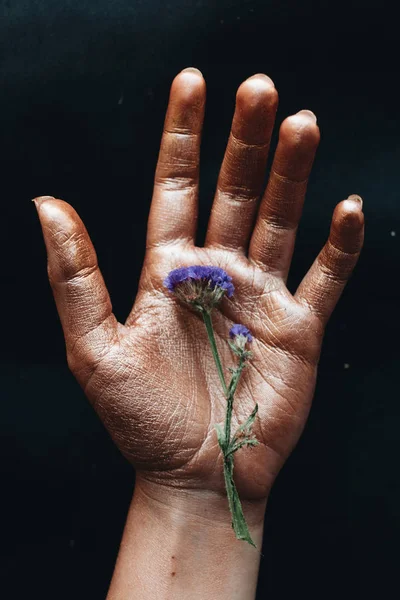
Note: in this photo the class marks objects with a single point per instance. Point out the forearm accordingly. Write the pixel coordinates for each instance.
(180, 544)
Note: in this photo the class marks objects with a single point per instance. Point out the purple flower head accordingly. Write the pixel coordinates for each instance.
(175, 277)
(200, 286)
(240, 330)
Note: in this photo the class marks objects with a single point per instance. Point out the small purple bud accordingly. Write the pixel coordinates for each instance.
(240, 336)
(240, 330)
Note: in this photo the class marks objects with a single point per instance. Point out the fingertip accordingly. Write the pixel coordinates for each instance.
(193, 70)
(299, 138)
(188, 86)
(40, 199)
(61, 224)
(256, 106)
(356, 198)
(262, 77)
(348, 213)
(300, 129)
(186, 102)
(305, 113)
(255, 92)
(347, 229)
(53, 209)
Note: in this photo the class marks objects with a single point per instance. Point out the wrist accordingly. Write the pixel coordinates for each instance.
(210, 508)
(186, 538)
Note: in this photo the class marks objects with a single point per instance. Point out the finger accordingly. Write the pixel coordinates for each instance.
(242, 172)
(322, 286)
(272, 242)
(80, 293)
(173, 212)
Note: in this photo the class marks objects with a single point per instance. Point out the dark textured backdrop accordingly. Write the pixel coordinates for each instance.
(83, 91)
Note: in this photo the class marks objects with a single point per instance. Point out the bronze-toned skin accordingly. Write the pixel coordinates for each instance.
(152, 380)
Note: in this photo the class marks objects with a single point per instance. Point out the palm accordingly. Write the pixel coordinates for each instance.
(153, 380)
(185, 398)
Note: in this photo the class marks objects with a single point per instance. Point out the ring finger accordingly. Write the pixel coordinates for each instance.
(272, 241)
(243, 168)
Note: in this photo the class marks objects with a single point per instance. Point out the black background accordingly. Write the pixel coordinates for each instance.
(83, 92)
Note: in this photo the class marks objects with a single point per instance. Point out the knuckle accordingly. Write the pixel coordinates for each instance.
(337, 272)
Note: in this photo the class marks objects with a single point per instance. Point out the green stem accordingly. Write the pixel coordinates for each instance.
(232, 389)
(239, 524)
(228, 418)
(211, 337)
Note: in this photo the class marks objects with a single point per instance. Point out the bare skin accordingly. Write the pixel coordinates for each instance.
(152, 380)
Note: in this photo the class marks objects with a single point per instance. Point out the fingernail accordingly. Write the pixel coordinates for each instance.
(308, 113)
(356, 198)
(262, 76)
(40, 199)
(192, 70)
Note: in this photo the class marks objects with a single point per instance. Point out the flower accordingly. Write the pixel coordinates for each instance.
(240, 336)
(199, 286)
(236, 330)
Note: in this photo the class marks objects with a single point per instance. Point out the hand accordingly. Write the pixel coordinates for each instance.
(152, 380)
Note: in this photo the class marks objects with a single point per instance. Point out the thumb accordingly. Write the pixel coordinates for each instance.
(82, 299)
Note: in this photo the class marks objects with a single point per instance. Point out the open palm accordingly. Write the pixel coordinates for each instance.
(153, 380)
